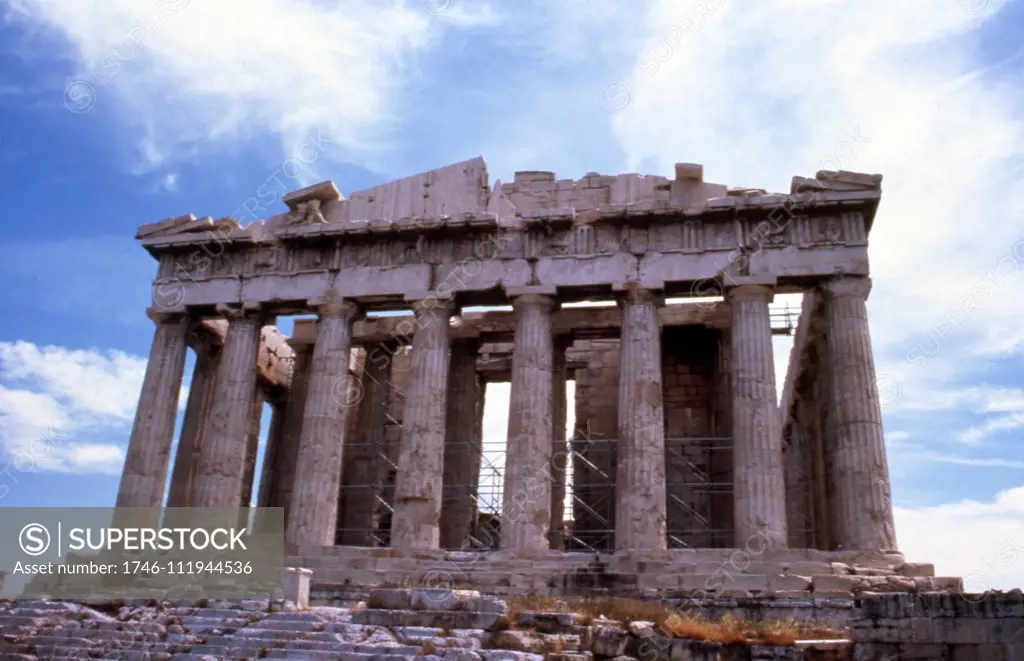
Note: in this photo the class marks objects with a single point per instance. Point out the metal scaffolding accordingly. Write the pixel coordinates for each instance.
(590, 489)
(698, 482)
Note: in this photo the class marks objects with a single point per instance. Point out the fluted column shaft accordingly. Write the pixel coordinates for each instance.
(418, 489)
(197, 413)
(221, 469)
(149, 448)
(287, 453)
(361, 472)
(462, 446)
(640, 475)
(863, 496)
(314, 501)
(526, 511)
(759, 487)
(559, 446)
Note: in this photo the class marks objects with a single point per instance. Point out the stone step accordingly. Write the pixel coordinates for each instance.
(329, 646)
(425, 618)
(212, 612)
(22, 621)
(547, 622)
(341, 656)
(285, 627)
(228, 647)
(99, 634)
(300, 616)
(509, 655)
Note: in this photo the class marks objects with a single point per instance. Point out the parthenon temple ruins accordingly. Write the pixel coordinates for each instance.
(652, 295)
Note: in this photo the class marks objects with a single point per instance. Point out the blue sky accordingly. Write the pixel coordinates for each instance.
(122, 112)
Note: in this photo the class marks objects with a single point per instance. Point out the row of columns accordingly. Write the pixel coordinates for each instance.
(534, 479)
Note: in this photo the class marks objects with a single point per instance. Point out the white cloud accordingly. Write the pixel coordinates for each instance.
(982, 542)
(53, 400)
(188, 72)
(912, 104)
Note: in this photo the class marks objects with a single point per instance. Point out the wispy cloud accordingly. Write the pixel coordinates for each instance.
(982, 542)
(54, 401)
(184, 72)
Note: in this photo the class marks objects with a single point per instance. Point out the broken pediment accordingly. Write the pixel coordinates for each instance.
(841, 180)
(187, 224)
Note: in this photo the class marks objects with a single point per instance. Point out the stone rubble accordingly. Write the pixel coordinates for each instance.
(885, 627)
(393, 625)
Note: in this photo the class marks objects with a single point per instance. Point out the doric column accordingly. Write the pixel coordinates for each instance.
(252, 445)
(197, 414)
(362, 471)
(286, 454)
(526, 509)
(417, 503)
(462, 446)
(559, 446)
(861, 473)
(314, 506)
(759, 489)
(640, 475)
(221, 469)
(145, 466)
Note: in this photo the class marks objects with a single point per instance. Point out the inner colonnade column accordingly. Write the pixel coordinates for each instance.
(526, 508)
(365, 465)
(202, 390)
(463, 451)
(559, 445)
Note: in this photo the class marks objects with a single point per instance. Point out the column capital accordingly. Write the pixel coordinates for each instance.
(235, 311)
(160, 317)
(849, 285)
(433, 304)
(335, 306)
(200, 340)
(745, 291)
(544, 301)
(637, 294)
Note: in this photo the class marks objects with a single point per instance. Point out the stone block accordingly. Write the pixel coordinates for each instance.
(917, 570)
(483, 604)
(695, 650)
(788, 582)
(296, 586)
(548, 623)
(509, 655)
(876, 652)
(438, 598)
(779, 652)
(390, 599)
(692, 582)
(523, 641)
(609, 641)
(834, 583)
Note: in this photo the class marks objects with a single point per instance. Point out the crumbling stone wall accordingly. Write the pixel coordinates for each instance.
(688, 363)
(982, 627)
